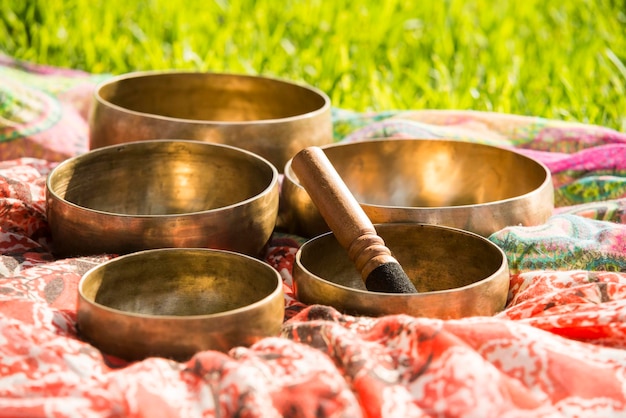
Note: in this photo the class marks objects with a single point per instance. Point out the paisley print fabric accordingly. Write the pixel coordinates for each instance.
(43, 110)
(558, 349)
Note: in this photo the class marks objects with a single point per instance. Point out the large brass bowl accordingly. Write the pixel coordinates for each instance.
(457, 274)
(175, 302)
(270, 117)
(162, 193)
(478, 188)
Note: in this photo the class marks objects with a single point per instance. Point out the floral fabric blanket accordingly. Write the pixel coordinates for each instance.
(558, 349)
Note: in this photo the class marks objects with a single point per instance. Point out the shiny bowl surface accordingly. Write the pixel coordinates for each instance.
(457, 274)
(162, 193)
(175, 302)
(475, 187)
(270, 117)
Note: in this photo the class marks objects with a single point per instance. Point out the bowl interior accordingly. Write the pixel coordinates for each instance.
(434, 258)
(211, 96)
(180, 282)
(431, 173)
(161, 178)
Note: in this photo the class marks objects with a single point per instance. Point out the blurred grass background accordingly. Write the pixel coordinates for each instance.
(563, 60)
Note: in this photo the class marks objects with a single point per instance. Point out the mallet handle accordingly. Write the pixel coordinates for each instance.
(341, 211)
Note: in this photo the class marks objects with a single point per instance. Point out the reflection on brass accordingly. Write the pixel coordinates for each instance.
(162, 193)
(457, 274)
(176, 302)
(272, 118)
(478, 188)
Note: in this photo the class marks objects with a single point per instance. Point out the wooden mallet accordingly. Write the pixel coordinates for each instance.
(354, 231)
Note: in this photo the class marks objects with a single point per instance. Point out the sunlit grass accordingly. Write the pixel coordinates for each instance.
(564, 60)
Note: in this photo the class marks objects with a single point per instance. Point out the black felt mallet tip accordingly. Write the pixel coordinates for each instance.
(389, 278)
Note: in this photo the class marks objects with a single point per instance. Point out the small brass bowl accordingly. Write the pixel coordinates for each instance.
(475, 187)
(457, 274)
(162, 193)
(270, 117)
(178, 301)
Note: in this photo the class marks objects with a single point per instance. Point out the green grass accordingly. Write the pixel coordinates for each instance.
(563, 60)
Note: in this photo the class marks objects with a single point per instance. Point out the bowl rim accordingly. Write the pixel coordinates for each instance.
(276, 292)
(546, 184)
(503, 268)
(156, 73)
(273, 182)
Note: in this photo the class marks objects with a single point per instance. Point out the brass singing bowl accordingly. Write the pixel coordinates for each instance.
(270, 117)
(162, 193)
(457, 274)
(178, 301)
(475, 187)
